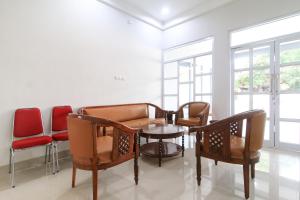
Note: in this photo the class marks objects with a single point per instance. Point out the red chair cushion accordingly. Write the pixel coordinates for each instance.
(27, 122)
(59, 117)
(31, 142)
(62, 136)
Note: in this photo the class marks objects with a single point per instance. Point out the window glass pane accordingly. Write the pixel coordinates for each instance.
(191, 92)
(170, 86)
(289, 106)
(261, 56)
(268, 30)
(170, 103)
(208, 99)
(267, 130)
(185, 70)
(262, 101)
(184, 93)
(170, 70)
(241, 59)
(189, 50)
(203, 84)
(261, 80)
(289, 132)
(198, 85)
(206, 80)
(198, 98)
(203, 64)
(241, 103)
(290, 78)
(290, 52)
(241, 81)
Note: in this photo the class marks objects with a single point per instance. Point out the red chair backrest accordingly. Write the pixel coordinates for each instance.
(27, 122)
(59, 117)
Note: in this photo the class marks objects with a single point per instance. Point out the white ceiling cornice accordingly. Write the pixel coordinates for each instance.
(141, 14)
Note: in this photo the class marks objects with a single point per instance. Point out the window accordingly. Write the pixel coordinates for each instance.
(266, 75)
(268, 30)
(187, 74)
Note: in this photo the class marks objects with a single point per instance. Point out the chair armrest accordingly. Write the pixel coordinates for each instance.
(215, 137)
(161, 113)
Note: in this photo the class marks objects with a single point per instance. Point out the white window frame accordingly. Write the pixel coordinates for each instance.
(193, 57)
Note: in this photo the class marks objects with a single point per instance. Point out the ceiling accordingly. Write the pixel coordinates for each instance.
(164, 14)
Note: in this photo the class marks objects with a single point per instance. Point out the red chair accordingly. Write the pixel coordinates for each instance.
(27, 133)
(59, 128)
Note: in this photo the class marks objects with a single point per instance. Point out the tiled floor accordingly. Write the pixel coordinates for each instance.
(277, 177)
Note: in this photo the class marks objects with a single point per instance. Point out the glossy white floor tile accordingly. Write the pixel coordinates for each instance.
(277, 177)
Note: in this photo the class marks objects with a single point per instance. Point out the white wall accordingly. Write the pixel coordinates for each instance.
(219, 23)
(57, 52)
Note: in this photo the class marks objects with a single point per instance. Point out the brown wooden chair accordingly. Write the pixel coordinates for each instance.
(197, 114)
(90, 152)
(223, 141)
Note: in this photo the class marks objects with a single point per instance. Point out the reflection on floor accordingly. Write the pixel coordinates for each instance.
(277, 177)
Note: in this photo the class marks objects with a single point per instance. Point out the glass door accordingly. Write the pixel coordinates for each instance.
(186, 81)
(288, 94)
(253, 69)
(267, 76)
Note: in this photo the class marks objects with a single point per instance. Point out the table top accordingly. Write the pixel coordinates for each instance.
(162, 131)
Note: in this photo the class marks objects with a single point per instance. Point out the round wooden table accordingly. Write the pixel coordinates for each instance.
(162, 149)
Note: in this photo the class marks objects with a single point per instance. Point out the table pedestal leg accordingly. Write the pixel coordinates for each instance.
(160, 144)
(182, 145)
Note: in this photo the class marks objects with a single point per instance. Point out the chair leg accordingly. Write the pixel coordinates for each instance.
(198, 170)
(46, 154)
(253, 170)
(49, 153)
(53, 158)
(73, 175)
(216, 162)
(95, 184)
(10, 154)
(56, 151)
(136, 170)
(12, 168)
(246, 180)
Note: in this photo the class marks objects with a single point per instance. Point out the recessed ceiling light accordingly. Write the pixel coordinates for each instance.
(165, 11)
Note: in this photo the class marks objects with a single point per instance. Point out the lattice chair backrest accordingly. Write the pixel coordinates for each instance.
(216, 141)
(123, 144)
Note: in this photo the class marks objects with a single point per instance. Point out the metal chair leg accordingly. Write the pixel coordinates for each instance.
(53, 158)
(57, 165)
(12, 169)
(49, 153)
(46, 154)
(9, 170)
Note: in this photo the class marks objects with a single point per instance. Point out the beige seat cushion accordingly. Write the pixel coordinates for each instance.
(237, 145)
(104, 151)
(193, 121)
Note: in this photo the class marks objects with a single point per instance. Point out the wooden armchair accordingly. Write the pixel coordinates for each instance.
(222, 141)
(90, 152)
(197, 114)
